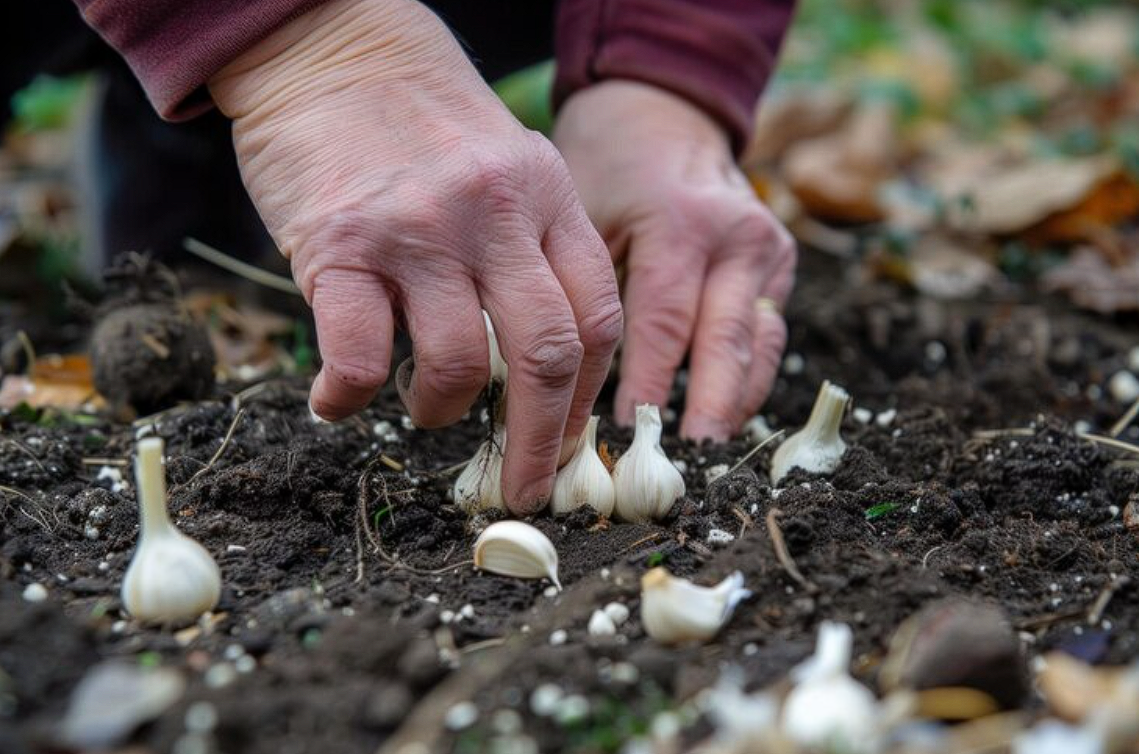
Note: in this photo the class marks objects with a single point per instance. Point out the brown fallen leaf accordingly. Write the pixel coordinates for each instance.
(941, 267)
(792, 116)
(53, 381)
(1110, 202)
(1090, 281)
(1012, 199)
(838, 177)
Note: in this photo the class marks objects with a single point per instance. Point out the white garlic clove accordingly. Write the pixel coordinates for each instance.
(584, 480)
(497, 363)
(479, 486)
(512, 548)
(828, 708)
(171, 579)
(674, 610)
(817, 447)
(645, 483)
(600, 624)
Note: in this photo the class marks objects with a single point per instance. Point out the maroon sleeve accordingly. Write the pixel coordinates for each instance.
(175, 46)
(716, 53)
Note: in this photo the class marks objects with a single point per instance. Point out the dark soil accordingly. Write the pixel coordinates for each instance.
(343, 576)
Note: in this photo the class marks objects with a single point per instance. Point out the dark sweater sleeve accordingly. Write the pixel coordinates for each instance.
(717, 54)
(175, 46)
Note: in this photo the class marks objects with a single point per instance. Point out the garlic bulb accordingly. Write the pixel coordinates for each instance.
(584, 480)
(674, 610)
(497, 363)
(827, 709)
(817, 447)
(512, 548)
(171, 578)
(479, 486)
(645, 482)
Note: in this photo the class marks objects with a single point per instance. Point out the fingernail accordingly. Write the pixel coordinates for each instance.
(316, 418)
(403, 375)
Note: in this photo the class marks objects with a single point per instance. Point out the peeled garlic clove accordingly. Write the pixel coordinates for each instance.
(512, 548)
(171, 578)
(497, 363)
(646, 484)
(674, 610)
(479, 486)
(584, 480)
(828, 708)
(817, 447)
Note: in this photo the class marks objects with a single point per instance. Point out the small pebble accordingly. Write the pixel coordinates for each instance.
(719, 537)
(617, 613)
(557, 638)
(545, 698)
(506, 722)
(201, 717)
(886, 418)
(935, 352)
(793, 364)
(235, 548)
(624, 672)
(600, 624)
(550, 591)
(245, 664)
(462, 715)
(406, 422)
(862, 415)
(467, 611)
(447, 616)
(573, 708)
(757, 429)
(35, 592)
(1124, 386)
(432, 598)
(220, 675)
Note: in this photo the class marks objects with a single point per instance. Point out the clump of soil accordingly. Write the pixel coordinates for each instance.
(351, 617)
(147, 352)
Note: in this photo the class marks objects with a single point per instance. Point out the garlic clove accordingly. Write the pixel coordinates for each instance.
(674, 610)
(497, 363)
(817, 447)
(512, 548)
(600, 624)
(171, 578)
(645, 482)
(584, 480)
(479, 485)
(828, 709)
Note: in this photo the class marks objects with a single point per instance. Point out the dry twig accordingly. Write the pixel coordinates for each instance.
(783, 554)
(221, 449)
(1104, 598)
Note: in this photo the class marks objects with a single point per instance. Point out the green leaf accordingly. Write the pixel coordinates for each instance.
(879, 510)
(655, 559)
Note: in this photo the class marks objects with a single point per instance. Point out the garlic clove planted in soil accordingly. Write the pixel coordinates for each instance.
(827, 708)
(171, 579)
(479, 486)
(512, 548)
(674, 610)
(584, 480)
(817, 447)
(645, 482)
(497, 363)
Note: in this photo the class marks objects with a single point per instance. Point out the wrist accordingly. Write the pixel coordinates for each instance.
(332, 47)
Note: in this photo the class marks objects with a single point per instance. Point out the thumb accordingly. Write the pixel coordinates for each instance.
(354, 331)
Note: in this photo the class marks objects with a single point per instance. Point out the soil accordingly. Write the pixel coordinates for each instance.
(343, 624)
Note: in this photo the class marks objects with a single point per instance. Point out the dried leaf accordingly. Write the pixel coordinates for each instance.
(942, 267)
(1111, 201)
(1091, 282)
(53, 381)
(792, 116)
(1013, 199)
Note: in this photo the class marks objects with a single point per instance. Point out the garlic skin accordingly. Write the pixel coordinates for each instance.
(584, 480)
(645, 482)
(479, 486)
(828, 709)
(817, 447)
(675, 611)
(512, 548)
(497, 363)
(171, 579)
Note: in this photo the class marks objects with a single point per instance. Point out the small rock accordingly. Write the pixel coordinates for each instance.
(35, 592)
(557, 638)
(1124, 386)
(572, 709)
(544, 699)
(113, 699)
(719, 537)
(201, 717)
(886, 418)
(600, 624)
(756, 429)
(460, 716)
(958, 643)
(617, 613)
(862, 415)
(793, 364)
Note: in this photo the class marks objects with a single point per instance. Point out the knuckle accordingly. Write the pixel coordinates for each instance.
(602, 328)
(732, 337)
(553, 359)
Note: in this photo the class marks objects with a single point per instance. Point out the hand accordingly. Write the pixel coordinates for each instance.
(708, 266)
(399, 186)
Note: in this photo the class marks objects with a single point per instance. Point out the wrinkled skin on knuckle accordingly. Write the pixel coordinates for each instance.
(732, 338)
(357, 376)
(453, 374)
(603, 325)
(553, 360)
(344, 238)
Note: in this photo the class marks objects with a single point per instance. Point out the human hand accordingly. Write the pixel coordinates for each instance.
(399, 186)
(708, 266)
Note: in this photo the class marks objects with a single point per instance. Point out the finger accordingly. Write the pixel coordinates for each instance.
(536, 329)
(354, 333)
(581, 263)
(722, 349)
(770, 341)
(662, 298)
(451, 364)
